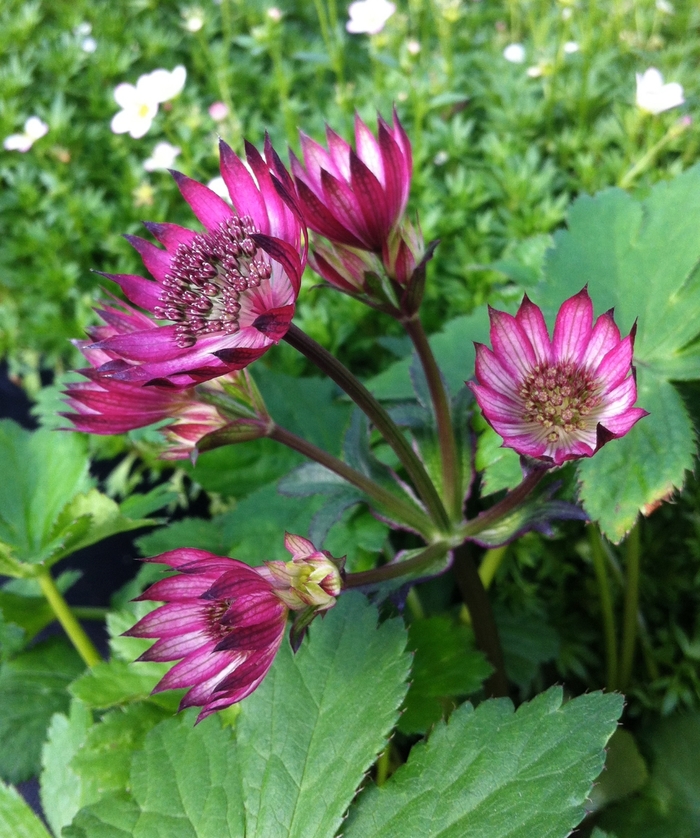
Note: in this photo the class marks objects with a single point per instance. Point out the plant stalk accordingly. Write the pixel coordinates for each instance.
(483, 622)
(631, 607)
(404, 511)
(357, 391)
(606, 606)
(441, 406)
(395, 570)
(66, 618)
(499, 510)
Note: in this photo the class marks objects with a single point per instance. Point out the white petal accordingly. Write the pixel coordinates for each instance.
(125, 95)
(35, 128)
(515, 53)
(18, 142)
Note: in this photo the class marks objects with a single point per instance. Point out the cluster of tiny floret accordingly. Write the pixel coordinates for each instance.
(202, 289)
(559, 397)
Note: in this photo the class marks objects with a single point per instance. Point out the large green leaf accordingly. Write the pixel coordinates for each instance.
(298, 751)
(32, 688)
(641, 257)
(16, 818)
(492, 773)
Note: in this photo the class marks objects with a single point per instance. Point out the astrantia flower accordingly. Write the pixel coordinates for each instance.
(102, 405)
(557, 399)
(139, 103)
(228, 292)
(355, 198)
(34, 129)
(654, 96)
(163, 157)
(368, 17)
(224, 620)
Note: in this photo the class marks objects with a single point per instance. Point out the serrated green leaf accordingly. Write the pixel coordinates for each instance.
(115, 682)
(190, 532)
(16, 818)
(32, 688)
(446, 664)
(61, 791)
(641, 257)
(491, 772)
(31, 613)
(528, 642)
(291, 765)
(500, 466)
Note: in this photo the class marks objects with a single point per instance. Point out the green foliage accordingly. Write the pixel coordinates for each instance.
(292, 738)
(32, 688)
(518, 774)
(446, 666)
(16, 818)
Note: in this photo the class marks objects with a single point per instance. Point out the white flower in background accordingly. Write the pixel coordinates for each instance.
(654, 96)
(34, 129)
(88, 44)
(413, 47)
(274, 14)
(84, 28)
(367, 17)
(218, 111)
(163, 157)
(570, 47)
(515, 53)
(194, 20)
(217, 185)
(566, 13)
(665, 7)
(535, 72)
(139, 104)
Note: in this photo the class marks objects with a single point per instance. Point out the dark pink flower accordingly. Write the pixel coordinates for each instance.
(355, 197)
(228, 292)
(104, 405)
(557, 399)
(224, 620)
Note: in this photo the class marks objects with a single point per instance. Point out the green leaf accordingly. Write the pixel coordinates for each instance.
(16, 818)
(500, 466)
(31, 613)
(32, 688)
(625, 771)
(640, 256)
(528, 642)
(190, 532)
(303, 747)
(492, 773)
(669, 805)
(115, 682)
(61, 791)
(291, 765)
(446, 664)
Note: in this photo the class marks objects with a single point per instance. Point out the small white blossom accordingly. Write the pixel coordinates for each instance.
(665, 7)
(413, 47)
(654, 96)
(163, 157)
(34, 129)
(535, 72)
(218, 111)
(566, 13)
(194, 20)
(139, 103)
(367, 17)
(571, 47)
(84, 28)
(217, 185)
(88, 44)
(441, 158)
(274, 14)
(515, 53)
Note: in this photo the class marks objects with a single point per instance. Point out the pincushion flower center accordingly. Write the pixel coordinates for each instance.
(207, 277)
(559, 397)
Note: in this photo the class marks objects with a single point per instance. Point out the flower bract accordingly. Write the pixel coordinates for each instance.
(224, 620)
(228, 292)
(558, 399)
(654, 96)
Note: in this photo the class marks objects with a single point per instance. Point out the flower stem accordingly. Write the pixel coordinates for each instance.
(499, 510)
(606, 605)
(648, 158)
(357, 391)
(483, 622)
(406, 512)
(394, 570)
(67, 619)
(631, 607)
(441, 406)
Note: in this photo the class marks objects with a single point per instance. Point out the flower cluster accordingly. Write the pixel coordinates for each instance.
(224, 620)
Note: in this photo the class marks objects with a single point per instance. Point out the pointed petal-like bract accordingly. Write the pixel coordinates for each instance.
(558, 399)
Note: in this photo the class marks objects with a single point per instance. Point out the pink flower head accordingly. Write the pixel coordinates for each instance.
(557, 399)
(355, 197)
(224, 620)
(228, 292)
(103, 405)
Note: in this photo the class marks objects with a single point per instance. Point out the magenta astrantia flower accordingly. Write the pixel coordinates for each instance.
(224, 620)
(355, 197)
(228, 292)
(103, 405)
(557, 399)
